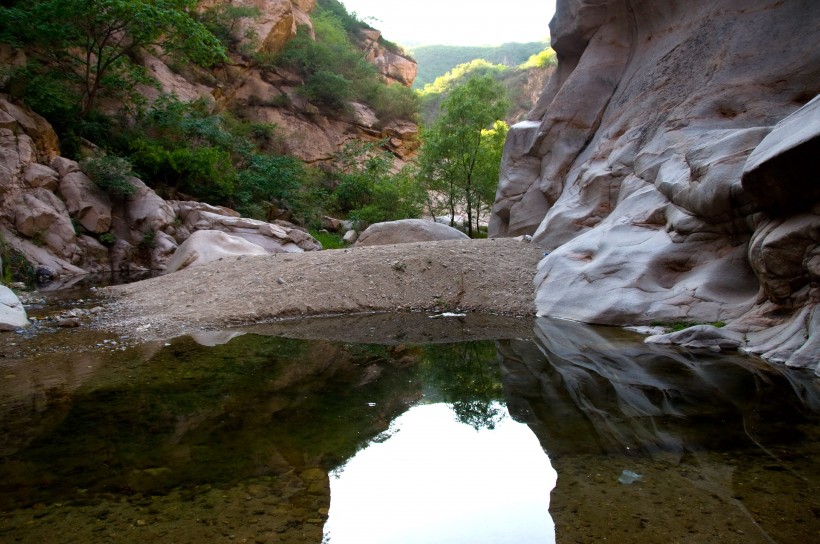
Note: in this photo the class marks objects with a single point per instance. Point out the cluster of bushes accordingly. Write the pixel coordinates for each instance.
(183, 150)
(335, 70)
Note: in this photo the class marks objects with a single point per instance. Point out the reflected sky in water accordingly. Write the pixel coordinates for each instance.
(435, 479)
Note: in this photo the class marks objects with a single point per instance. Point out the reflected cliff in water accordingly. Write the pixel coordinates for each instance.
(243, 434)
(652, 443)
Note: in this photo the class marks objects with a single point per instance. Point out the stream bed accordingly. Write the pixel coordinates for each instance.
(401, 429)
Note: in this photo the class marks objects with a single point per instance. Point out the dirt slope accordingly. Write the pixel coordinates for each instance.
(488, 276)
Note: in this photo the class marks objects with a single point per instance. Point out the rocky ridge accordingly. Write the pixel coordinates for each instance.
(666, 168)
(269, 95)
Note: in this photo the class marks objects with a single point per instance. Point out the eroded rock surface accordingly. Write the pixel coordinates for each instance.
(655, 173)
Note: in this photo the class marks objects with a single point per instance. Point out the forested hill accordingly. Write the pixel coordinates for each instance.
(436, 60)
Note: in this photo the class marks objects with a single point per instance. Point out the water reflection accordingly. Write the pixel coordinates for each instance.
(438, 480)
(235, 439)
(726, 446)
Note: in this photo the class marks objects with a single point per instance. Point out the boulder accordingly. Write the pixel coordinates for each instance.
(350, 237)
(277, 237)
(41, 176)
(86, 202)
(205, 246)
(408, 230)
(12, 314)
(146, 210)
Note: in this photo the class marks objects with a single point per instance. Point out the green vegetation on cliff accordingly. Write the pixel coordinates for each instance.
(89, 47)
(335, 71)
(80, 52)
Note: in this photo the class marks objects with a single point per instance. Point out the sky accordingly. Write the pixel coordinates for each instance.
(456, 22)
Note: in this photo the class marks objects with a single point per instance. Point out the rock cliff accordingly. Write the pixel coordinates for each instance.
(269, 95)
(666, 169)
(53, 215)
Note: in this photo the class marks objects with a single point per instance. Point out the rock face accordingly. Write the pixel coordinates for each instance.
(62, 223)
(270, 95)
(392, 65)
(655, 173)
(408, 230)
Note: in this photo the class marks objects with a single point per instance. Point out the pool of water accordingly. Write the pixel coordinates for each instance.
(402, 429)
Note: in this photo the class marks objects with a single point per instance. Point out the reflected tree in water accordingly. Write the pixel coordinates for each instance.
(467, 377)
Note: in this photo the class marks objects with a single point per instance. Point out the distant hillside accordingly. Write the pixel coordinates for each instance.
(436, 60)
(523, 83)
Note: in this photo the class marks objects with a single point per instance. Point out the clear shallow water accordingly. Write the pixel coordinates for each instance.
(254, 438)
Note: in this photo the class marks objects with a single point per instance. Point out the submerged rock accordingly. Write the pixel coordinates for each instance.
(700, 337)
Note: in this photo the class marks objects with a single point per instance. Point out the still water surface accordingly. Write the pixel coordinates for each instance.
(402, 429)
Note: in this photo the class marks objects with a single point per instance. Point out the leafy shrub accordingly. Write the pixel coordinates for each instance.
(222, 19)
(369, 192)
(112, 174)
(149, 239)
(107, 239)
(269, 181)
(396, 102)
(15, 265)
(541, 60)
(325, 88)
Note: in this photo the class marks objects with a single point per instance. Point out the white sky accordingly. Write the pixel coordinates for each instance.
(456, 22)
(437, 480)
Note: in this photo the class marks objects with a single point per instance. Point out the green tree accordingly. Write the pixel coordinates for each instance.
(455, 152)
(92, 43)
(368, 188)
(467, 377)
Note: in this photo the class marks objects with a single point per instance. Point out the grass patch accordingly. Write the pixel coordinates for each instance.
(329, 240)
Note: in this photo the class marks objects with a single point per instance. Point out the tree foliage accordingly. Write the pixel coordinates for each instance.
(369, 191)
(91, 43)
(461, 151)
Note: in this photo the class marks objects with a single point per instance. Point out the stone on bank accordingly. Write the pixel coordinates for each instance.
(12, 313)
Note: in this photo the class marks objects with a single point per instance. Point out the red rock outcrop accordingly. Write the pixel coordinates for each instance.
(630, 169)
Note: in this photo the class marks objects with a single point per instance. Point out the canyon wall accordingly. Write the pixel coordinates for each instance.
(668, 169)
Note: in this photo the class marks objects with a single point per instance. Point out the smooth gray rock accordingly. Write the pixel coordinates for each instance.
(408, 230)
(204, 246)
(12, 313)
(700, 337)
(779, 171)
(666, 172)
